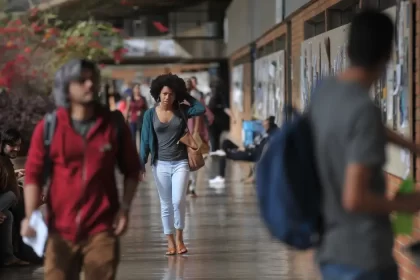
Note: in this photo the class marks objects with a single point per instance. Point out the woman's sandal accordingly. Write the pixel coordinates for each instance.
(182, 249)
(171, 252)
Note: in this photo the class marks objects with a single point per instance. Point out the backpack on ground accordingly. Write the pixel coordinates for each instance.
(288, 188)
(50, 122)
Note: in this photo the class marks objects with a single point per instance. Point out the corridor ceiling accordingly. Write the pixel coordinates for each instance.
(110, 9)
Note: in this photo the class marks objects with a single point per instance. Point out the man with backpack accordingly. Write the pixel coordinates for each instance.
(349, 147)
(320, 181)
(85, 143)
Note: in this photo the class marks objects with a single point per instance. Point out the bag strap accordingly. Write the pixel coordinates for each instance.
(183, 117)
(50, 123)
(119, 122)
(186, 123)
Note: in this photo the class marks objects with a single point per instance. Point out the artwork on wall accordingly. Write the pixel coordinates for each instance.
(304, 81)
(237, 87)
(394, 91)
(269, 98)
(404, 66)
(318, 61)
(391, 93)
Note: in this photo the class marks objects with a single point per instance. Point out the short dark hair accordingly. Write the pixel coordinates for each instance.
(271, 119)
(194, 78)
(370, 39)
(10, 136)
(175, 83)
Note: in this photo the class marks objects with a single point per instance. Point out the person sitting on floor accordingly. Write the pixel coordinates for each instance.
(251, 153)
(23, 251)
(9, 195)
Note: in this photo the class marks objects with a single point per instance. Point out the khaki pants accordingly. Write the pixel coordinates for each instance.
(98, 256)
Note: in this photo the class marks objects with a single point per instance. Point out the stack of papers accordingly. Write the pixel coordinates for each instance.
(38, 242)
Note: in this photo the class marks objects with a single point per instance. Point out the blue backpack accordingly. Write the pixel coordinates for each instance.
(288, 188)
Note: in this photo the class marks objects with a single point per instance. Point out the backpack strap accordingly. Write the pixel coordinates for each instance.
(50, 123)
(119, 122)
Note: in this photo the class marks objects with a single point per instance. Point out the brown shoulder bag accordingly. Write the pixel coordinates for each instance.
(195, 157)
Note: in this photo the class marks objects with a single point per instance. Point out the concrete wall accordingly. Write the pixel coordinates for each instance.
(292, 5)
(238, 25)
(189, 18)
(248, 20)
(263, 17)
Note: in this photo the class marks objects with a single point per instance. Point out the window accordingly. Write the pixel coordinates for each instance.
(314, 26)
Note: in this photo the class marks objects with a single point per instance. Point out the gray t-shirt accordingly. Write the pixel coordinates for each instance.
(168, 135)
(82, 127)
(348, 129)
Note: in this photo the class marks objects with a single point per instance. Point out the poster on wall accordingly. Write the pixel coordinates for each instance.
(269, 84)
(391, 93)
(393, 90)
(325, 55)
(321, 56)
(237, 87)
(258, 106)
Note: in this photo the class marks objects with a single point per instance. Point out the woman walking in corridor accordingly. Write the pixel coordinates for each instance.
(163, 127)
(136, 105)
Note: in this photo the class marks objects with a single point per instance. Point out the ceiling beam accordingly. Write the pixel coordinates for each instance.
(54, 4)
(106, 10)
(163, 60)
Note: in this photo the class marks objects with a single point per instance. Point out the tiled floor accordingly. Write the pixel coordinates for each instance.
(224, 234)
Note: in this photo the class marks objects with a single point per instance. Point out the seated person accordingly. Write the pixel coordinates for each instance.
(23, 251)
(251, 153)
(10, 194)
(7, 257)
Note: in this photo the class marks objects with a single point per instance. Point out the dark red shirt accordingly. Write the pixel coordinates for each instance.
(83, 196)
(137, 107)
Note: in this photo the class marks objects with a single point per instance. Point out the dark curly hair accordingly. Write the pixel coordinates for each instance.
(175, 83)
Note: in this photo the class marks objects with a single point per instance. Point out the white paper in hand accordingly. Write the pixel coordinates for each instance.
(38, 242)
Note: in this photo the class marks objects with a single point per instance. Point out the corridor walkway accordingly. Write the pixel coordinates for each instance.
(224, 234)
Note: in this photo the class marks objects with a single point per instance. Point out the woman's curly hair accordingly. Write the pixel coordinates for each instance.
(175, 83)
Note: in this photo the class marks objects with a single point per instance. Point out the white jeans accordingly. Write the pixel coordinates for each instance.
(171, 178)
